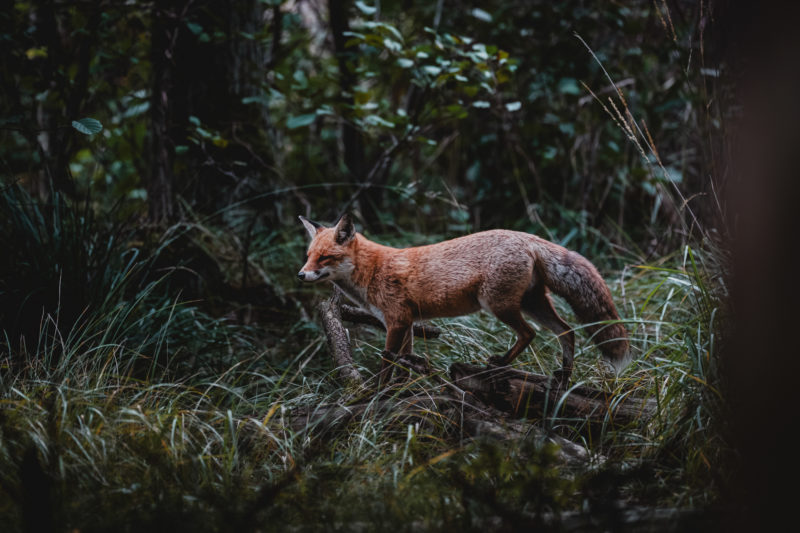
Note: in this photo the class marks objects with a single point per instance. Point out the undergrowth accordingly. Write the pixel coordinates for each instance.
(147, 410)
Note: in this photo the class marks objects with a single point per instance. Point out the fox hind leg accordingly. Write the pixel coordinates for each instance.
(525, 334)
(538, 304)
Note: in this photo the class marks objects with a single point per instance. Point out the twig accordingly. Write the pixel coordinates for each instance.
(338, 343)
(355, 314)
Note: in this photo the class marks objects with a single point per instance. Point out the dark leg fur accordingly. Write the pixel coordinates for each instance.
(525, 334)
(399, 338)
(537, 303)
(387, 368)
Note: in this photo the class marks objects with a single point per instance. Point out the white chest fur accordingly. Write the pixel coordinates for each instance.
(358, 295)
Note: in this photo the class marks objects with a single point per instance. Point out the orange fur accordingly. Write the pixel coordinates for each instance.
(505, 272)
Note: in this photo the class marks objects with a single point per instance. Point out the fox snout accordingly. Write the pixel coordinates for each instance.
(313, 275)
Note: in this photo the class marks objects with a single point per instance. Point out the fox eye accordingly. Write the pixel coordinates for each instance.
(323, 258)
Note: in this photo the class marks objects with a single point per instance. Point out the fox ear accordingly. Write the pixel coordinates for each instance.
(345, 230)
(312, 227)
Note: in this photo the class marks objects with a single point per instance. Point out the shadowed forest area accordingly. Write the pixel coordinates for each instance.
(161, 367)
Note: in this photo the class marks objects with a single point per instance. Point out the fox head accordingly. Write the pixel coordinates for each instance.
(329, 254)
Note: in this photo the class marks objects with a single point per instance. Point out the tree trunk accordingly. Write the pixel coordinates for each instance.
(352, 140)
(159, 186)
(74, 98)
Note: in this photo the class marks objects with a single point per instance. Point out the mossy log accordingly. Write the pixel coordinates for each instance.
(523, 394)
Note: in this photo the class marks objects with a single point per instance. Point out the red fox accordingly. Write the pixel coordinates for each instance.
(505, 272)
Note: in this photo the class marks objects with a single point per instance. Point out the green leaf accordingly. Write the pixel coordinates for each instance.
(480, 14)
(375, 120)
(353, 34)
(301, 79)
(34, 53)
(364, 8)
(471, 90)
(405, 62)
(673, 174)
(255, 100)
(568, 86)
(480, 53)
(474, 172)
(371, 24)
(394, 31)
(394, 46)
(298, 121)
(457, 110)
(87, 126)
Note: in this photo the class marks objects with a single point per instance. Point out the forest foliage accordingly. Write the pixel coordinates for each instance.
(154, 156)
(517, 116)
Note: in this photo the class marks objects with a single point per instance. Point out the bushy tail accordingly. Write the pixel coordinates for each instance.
(574, 278)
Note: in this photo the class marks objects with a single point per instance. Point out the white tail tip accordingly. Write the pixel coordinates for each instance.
(622, 363)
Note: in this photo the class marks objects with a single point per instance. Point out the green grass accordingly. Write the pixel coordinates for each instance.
(152, 412)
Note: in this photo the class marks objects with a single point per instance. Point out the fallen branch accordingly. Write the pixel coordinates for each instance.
(355, 314)
(338, 342)
(466, 417)
(523, 394)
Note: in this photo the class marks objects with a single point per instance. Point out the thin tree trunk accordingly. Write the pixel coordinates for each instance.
(51, 78)
(352, 140)
(74, 98)
(159, 187)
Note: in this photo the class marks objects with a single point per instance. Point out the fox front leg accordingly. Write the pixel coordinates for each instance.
(387, 368)
(399, 339)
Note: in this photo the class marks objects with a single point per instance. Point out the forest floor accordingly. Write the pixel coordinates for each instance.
(159, 411)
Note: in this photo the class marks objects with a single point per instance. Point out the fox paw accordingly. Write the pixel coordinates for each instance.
(387, 368)
(497, 360)
(561, 378)
(414, 362)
